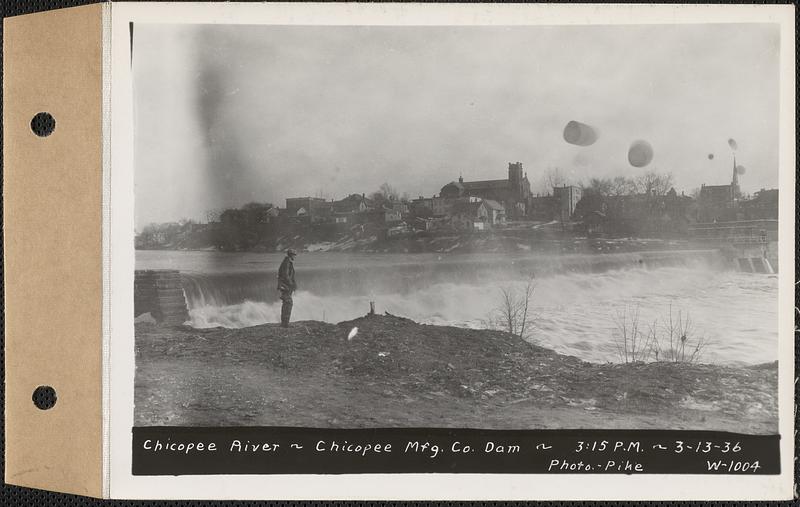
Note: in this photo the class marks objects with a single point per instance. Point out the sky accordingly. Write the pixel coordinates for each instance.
(229, 114)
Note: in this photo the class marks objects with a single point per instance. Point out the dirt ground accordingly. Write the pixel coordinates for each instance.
(397, 373)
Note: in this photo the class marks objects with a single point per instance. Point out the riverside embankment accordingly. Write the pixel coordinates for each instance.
(396, 372)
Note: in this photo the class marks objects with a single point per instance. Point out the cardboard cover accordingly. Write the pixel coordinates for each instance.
(53, 255)
(53, 274)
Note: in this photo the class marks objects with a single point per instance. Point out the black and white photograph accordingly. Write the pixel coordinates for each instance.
(470, 227)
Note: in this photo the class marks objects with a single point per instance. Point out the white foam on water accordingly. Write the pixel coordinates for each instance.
(574, 313)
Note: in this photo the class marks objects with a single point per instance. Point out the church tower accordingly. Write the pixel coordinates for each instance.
(735, 181)
(515, 176)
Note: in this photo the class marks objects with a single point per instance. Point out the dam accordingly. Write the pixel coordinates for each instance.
(576, 298)
(750, 246)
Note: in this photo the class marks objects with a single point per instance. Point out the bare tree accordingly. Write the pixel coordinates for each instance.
(633, 344)
(621, 185)
(673, 339)
(514, 313)
(681, 343)
(554, 177)
(597, 186)
(212, 215)
(653, 183)
(385, 192)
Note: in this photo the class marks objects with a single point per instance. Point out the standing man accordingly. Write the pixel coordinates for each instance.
(287, 285)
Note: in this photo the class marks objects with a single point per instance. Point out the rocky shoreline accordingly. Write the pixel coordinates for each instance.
(397, 373)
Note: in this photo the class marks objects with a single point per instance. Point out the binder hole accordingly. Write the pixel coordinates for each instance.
(44, 397)
(43, 124)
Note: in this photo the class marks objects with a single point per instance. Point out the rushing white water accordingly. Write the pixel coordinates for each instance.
(574, 304)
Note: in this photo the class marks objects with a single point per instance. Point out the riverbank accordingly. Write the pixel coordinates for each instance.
(395, 372)
(506, 241)
(514, 238)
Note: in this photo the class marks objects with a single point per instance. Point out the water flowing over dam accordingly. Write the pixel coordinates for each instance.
(401, 275)
(575, 299)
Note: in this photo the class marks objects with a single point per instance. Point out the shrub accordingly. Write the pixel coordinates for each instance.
(678, 341)
(674, 339)
(633, 344)
(513, 314)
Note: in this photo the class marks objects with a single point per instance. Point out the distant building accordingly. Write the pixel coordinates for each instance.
(348, 211)
(382, 215)
(398, 206)
(543, 207)
(471, 216)
(496, 212)
(422, 224)
(637, 214)
(343, 218)
(421, 207)
(443, 206)
(513, 192)
(566, 198)
(763, 205)
(558, 206)
(472, 213)
(310, 207)
(595, 222)
(353, 203)
(268, 215)
(717, 203)
(392, 215)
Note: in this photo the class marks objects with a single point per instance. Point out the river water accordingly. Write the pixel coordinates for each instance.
(576, 304)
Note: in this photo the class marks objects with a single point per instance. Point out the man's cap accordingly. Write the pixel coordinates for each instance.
(291, 252)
